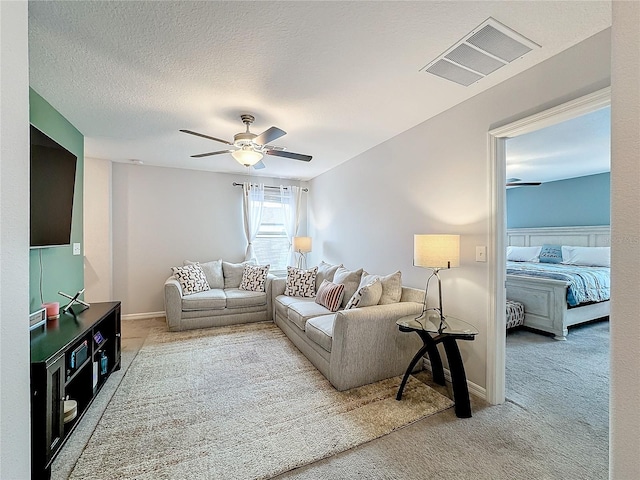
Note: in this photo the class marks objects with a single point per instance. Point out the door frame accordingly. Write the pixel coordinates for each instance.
(496, 341)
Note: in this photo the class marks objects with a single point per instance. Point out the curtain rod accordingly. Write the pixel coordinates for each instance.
(236, 184)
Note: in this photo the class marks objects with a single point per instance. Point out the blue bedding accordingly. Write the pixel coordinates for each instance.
(586, 284)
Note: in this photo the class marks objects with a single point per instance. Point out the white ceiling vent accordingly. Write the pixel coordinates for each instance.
(487, 48)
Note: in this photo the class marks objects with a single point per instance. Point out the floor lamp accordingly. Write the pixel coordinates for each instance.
(302, 245)
(436, 252)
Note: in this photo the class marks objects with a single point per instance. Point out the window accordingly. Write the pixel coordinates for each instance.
(271, 244)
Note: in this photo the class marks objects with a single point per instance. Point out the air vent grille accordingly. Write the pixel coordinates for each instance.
(495, 42)
(452, 72)
(487, 48)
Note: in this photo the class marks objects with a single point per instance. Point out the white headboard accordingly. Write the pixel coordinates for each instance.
(598, 236)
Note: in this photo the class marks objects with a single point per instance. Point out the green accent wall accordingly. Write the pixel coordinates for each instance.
(61, 270)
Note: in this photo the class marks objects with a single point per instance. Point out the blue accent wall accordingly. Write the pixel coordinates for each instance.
(61, 270)
(577, 201)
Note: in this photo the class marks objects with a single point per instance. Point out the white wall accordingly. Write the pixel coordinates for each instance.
(162, 216)
(435, 178)
(624, 445)
(14, 243)
(97, 245)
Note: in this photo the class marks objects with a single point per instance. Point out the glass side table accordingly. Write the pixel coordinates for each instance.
(433, 331)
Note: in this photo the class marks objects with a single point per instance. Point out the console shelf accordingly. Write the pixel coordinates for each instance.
(72, 357)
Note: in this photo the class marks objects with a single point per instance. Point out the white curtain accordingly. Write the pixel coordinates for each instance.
(252, 202)
(291, 198)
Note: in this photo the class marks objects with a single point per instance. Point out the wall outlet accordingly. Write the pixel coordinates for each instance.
(481, 254)
(76, 249)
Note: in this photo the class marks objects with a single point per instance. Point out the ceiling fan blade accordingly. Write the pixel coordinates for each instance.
(524, 184)
(294, 156)
(206, 136)
(208, 154)
(260, 165)
(269, 135)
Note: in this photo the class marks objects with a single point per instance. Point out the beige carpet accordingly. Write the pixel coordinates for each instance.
(237, 402)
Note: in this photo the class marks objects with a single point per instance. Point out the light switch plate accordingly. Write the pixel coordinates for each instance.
(76, 249)
(481, 254)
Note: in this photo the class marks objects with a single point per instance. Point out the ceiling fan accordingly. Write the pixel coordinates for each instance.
(516, 182)
(249, 147)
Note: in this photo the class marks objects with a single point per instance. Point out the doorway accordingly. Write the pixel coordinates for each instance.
(496, 344)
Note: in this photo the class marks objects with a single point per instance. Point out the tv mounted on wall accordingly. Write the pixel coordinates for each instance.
(53, 178)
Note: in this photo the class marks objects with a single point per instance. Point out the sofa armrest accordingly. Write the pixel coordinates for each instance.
(173, 303)
(278, 285)
(367, 345)
(268, 288)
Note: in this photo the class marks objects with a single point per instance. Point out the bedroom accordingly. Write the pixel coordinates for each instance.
(571, 207)
(340, 192)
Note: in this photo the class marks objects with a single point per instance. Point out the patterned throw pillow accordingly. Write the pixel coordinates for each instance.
(254, 278)
(550, 254)
(301, 283)
(191, 278)
(366, 296)
(330, 295)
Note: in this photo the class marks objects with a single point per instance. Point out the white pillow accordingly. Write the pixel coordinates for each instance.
(588, 256)
(523, 254)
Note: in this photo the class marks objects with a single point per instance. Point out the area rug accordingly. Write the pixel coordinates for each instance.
(237, 402)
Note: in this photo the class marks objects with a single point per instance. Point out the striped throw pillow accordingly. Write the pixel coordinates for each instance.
(330, 295)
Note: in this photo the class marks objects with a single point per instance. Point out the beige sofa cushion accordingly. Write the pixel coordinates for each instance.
(237, 298)
(233, 273)
(208, 300)
(366, 296)
(300, 312)
(326, 271)
(320, 330)
(351, 281)
(391, 286)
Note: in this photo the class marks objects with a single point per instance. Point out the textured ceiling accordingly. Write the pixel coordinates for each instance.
(574, 148)
(339, 77)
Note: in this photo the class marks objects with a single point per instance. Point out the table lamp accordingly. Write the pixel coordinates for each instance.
(302, 245)
(436, 252)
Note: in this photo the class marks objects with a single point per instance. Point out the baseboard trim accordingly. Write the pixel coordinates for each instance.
(143, 316)
(474, 389)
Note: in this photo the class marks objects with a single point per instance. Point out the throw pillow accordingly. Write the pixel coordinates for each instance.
(366, 296)
(213, 271)
(233, 273)
(391, 286)
(191, 278)
(523, 254)
(254, 277)
(351, 281)
(551, 254)
(587, 256)
(326, 271)
(301, 283)
(330, 295)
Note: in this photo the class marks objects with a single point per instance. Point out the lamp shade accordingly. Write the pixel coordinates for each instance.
(302, 244)
(247, 156)
(436, 251)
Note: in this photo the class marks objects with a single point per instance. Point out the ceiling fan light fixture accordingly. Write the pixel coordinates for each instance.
(247, 156)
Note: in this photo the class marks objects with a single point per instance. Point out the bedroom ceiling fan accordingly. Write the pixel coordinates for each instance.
(249, 147)
(516, 182)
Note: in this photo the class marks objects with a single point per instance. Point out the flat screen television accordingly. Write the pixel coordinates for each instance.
(53, 178)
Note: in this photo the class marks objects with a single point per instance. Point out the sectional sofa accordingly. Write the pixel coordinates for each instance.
(350, 347)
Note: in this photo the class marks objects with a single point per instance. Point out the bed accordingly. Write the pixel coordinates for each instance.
(552, 301)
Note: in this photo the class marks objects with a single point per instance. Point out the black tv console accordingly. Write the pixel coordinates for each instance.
(72, 357)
